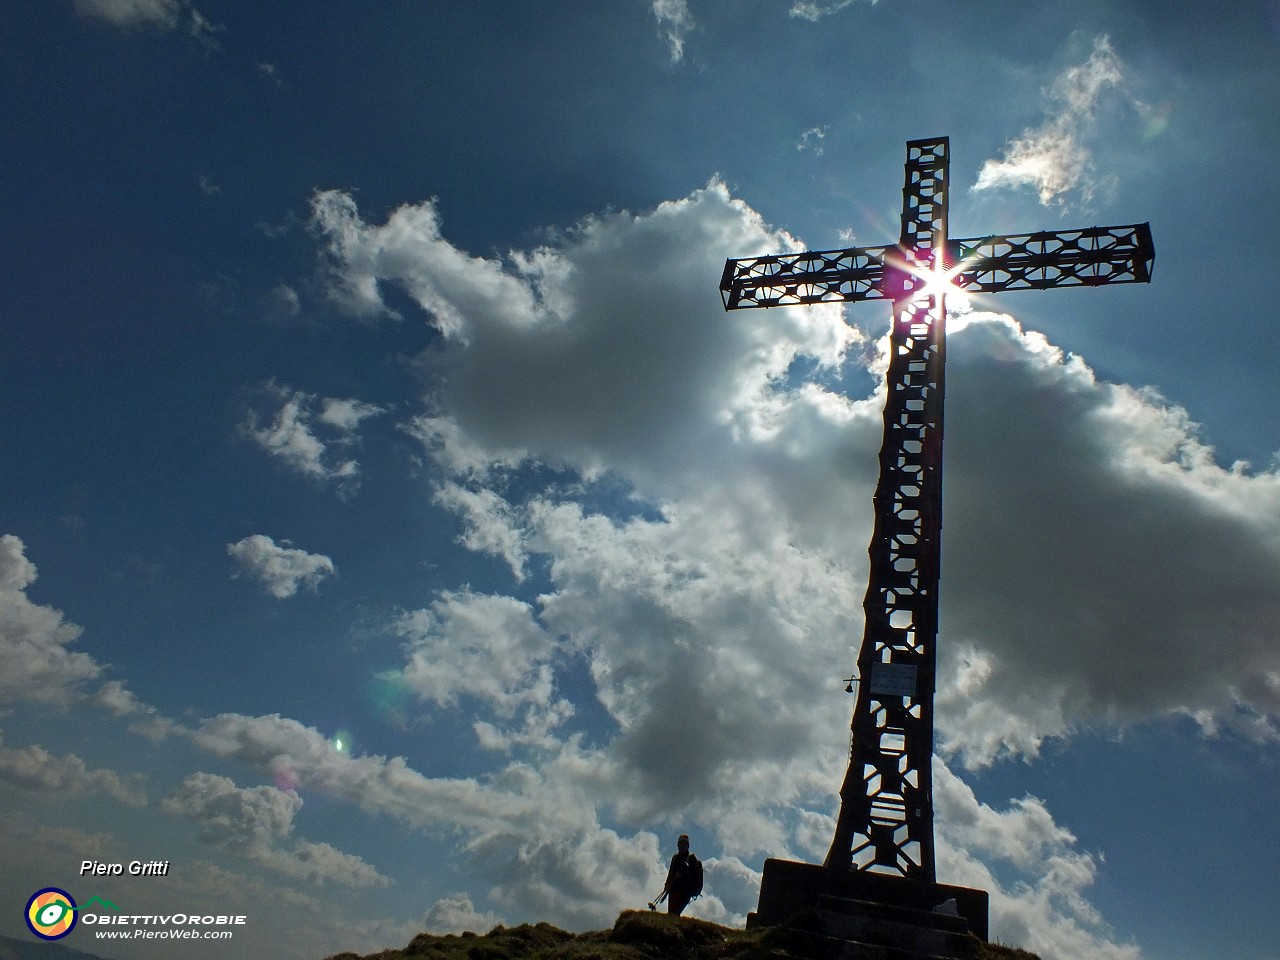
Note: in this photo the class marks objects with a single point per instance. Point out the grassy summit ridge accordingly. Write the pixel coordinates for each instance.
(637, 935)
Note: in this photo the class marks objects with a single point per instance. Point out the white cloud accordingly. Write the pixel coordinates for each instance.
(345, 416)
(290, 437)
(161, 14)
(716, 602)
(574, 356)
(1056, 158)
(34, 639)
(815, 10)
(668, 610)
(321, 862)
(491, 524)
(533, 834)
(253, 822)
(705, 563)
(202, 30)
(16, 571)
(35, 770)
(409, 248)
(812, 139)
(1099, 552)
(676, 22)
(734, 891)
(121, 701)
(280, 568)
(131, 13)
(282, 302)
(1046, 910)
(457, 914)
(232, 817)
(448, 445)
(38, 664)
(487, 647)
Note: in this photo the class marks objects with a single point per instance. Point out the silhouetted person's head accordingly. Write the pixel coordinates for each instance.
(682, 844)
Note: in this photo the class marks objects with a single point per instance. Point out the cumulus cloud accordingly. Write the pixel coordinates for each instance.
(676, 22)
(253, 822)
(457, 914)
(230, 816)
(280, 568)
(1046, 910)
(572, 355)
(671, 608)
(34, 639)
(1056, 157)
(345, 416)
(734, 892)
(16, 571)
(1094, 552)
(39, 664)
(290, 435)
(34, 770)
(410, 249)
(121, 701)
(491, 524)
(714, 596)
(487, 647)
(532, 833)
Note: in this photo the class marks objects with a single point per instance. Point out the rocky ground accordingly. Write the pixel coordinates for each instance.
(637, 935)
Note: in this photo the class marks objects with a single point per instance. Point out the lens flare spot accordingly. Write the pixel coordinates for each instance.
(286, 779)
(388, 694)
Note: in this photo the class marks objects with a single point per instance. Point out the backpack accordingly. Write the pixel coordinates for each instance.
(695, 876)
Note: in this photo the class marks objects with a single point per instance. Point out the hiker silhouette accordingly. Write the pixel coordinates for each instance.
(684, 877)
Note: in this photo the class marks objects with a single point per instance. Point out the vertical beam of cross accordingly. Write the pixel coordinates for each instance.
(886, 801)
(885, 823)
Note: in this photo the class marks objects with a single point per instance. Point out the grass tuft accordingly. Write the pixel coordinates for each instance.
(637, 935)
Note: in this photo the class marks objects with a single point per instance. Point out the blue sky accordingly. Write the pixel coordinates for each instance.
(398, 535)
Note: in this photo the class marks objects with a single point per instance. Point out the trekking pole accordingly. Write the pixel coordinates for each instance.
(653, 904)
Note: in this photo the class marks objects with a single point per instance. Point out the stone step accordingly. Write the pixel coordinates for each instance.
(810, 945)
(911, 937)
(931, 919)
(788, 888)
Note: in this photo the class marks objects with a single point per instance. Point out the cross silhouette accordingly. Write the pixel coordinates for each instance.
(886, 801)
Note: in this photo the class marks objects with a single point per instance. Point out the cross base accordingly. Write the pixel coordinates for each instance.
(789, 888)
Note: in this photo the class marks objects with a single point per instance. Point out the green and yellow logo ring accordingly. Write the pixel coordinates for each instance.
(51, 913)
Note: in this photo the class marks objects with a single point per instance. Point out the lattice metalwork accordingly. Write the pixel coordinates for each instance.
(1068, 258)
(886, 800)
(799, 278)
(1033, 261)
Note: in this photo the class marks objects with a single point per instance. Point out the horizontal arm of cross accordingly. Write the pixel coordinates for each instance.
(1033, 261)
(816, 276)
(1069, 258)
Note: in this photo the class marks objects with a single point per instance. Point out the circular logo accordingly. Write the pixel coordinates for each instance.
(51, 913)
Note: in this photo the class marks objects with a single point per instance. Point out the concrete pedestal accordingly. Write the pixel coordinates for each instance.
(789, 888)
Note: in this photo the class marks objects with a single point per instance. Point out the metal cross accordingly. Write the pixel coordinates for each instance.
(886, 800)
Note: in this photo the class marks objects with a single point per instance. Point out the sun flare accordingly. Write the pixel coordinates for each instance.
(937, 279)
